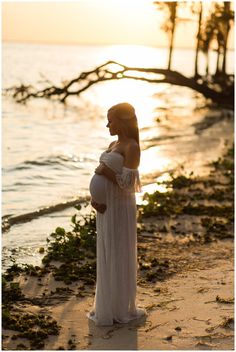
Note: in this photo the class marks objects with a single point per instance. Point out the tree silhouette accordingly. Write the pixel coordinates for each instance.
(214, 28)
(197, 8)
(169, 24)
(227, 20)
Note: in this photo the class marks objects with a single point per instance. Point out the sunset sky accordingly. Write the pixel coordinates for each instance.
(90, 22)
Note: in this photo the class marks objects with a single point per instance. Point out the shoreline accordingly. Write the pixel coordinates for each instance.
(185, 278)
(45, 220)
(33, 234)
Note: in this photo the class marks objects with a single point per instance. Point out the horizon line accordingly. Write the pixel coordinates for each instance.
(97, 44)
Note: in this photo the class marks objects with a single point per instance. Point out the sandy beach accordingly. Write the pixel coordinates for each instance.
(185, 282)
(99, 95)
(183, 311)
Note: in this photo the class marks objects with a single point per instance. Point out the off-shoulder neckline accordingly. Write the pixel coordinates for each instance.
(113, 151)
(127, 168)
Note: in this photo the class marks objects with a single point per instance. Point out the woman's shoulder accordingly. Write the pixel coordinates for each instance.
(132, 155)
(132, 146)
(111, 144)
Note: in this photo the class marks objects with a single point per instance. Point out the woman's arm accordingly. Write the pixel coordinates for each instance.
(132, 156)
(104, 170)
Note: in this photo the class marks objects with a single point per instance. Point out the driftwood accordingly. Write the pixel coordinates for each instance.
(221, 92)
(9, 220)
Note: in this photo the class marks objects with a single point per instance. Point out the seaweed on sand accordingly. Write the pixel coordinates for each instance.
(35, 327)
(208, 198)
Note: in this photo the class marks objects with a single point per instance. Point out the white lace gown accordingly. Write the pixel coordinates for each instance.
(115, 295)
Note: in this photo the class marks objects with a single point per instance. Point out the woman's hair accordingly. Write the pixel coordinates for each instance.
(125, 113)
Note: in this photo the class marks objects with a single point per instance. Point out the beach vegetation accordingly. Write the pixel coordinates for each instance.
(71, 255)
(67, 246)
(75, 250)
(34, 327)
(197, 196)
(11, 292)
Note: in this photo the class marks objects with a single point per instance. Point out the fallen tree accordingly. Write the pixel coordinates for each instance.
(220, 90)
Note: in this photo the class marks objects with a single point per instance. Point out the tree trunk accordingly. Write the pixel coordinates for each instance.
(173, 19)
(171, 50)
(207, 63)
(226, 10)
(218, 61)
(224, 56)
(198, 42)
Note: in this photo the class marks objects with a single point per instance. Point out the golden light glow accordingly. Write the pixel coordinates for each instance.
(93, 22)
(84, 22)
(147, 165)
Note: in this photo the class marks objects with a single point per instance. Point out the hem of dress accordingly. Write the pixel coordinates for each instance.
(140, 312)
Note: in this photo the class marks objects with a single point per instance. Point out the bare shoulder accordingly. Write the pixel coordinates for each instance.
(132, 154)
(132, 147)
(111, 144)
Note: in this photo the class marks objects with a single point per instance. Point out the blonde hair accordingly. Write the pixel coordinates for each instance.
(125, 113)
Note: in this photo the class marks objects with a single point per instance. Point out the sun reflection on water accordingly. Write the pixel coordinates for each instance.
(153, 161)
(159, 186)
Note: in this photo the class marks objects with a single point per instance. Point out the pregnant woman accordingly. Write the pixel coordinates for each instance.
(113, 190)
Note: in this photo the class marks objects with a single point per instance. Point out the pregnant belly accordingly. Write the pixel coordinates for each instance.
(97, 189)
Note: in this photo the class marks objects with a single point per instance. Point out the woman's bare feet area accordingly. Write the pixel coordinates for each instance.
(101, 208)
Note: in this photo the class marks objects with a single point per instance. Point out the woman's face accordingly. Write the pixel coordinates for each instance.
(113, 124)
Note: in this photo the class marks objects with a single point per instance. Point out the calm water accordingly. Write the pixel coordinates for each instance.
(50, 151)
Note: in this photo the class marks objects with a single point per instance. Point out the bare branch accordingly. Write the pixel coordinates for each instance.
(112, 70)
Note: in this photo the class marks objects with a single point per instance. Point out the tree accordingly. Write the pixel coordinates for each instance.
(216, 29)
(197, 8)
(113, 70)
(169, 24)
(228, 19)
(205, 40)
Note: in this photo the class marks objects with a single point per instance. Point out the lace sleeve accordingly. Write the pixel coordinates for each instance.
(129, 179)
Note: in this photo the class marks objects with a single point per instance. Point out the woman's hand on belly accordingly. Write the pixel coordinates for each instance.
(99, 207)
(104, 170)
(100, 169)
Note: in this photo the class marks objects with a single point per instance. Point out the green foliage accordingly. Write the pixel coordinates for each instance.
(181, 181)
(13, 271)
(76, 249)
(182, 199)
(221, 211)
(153, 269)
(11, 292)
(70, 246)
(69, 272)
(32, 270)
(217, 228)
(226, 162)
(35, 327)
(63, 246)
(161, 204)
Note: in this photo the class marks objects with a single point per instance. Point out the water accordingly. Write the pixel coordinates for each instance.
(50, 151)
